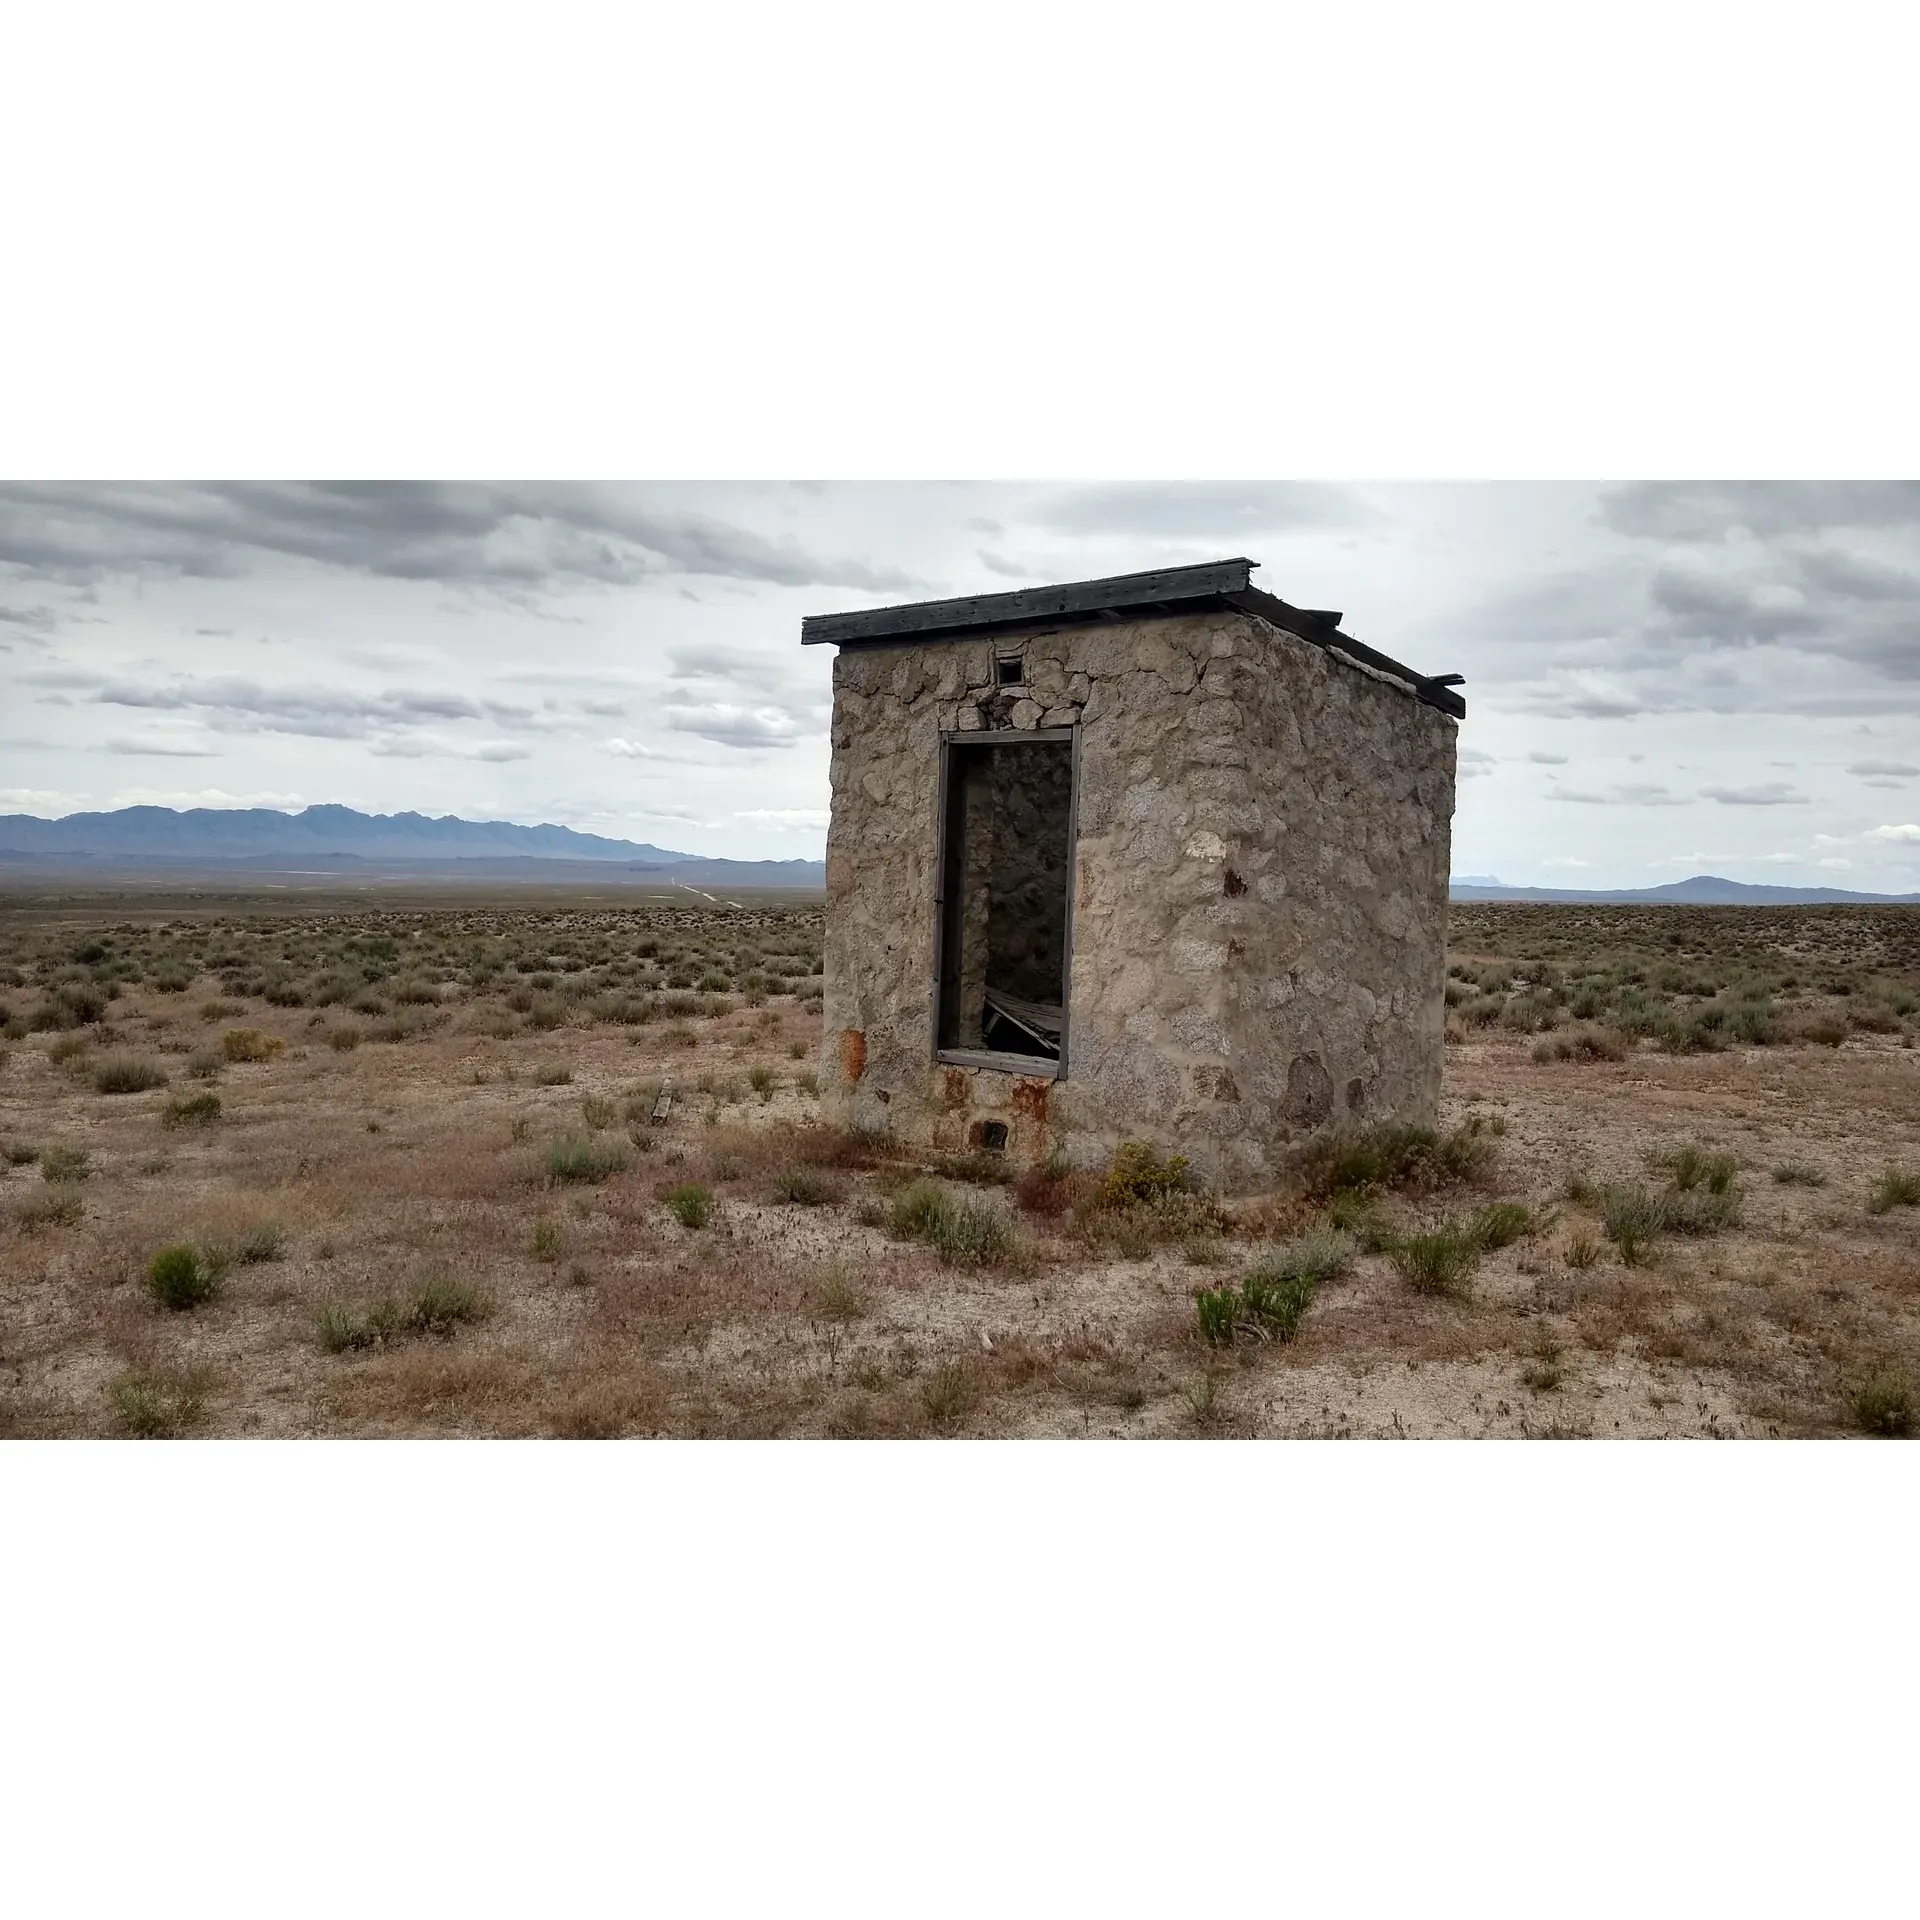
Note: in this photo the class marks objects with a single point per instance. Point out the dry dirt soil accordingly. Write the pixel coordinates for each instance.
(462, 1230)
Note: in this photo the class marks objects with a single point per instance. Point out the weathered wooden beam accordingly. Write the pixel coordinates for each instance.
(1168, 585)
(1313, 627)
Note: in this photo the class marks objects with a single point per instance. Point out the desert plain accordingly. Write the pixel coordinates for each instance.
(275, 1164)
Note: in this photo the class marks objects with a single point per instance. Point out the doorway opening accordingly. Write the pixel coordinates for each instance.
(1006, 867)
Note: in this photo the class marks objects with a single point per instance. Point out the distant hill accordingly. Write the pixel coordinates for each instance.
(340, 841)
(1703, 890)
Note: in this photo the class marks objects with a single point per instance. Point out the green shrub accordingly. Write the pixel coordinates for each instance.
(546, 1239)
(1440, 1263)
(975, 1229)
(553, 1075)
(341, 1330)
(960, 1227)
(1702, 1210)
(260, 1243)
(124, 1073)
(57, 1205)
(1546, 1371)
(1319, 1256)
(1141, 1177)
(436, 1307)
(158, 1408)
(343, 1039)
(203, 1065)
(19, 1153)
(192, 1110)
(588, 1159)
(841, 1300)
(408, 1024)
(917, 1210)
(181, 1277)
(596, 1112)
(1796, 1173)
(690, 1203)
(1894, 1189)
(1693, 1166)
(440, 1305)
(1218, 1309)
(249, 1043)
(1277, 1307)
(1396, 1155)
(70, 1005)
(1358, 1214)
(949, 1393)
(1273, 1296)
(800, 1187)
(1202, 1399)
(1581, 1043)
(1498, 1225)
(65, 1164)
(1883, 1405)
(1632, 1217)
(761, 1080)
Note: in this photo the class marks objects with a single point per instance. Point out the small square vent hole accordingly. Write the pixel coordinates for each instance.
(1008, 673)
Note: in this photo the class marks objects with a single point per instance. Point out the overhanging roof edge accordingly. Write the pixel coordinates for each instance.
(1163, 590)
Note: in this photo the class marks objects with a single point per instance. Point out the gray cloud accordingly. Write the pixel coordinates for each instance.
(1710, 510)
(734, 664)
(750, 700)
(1208, 510)
(520, 537)
(1749, 597)
(1006, 569)
(235, 703)
(1632, 793)
(1885, 769)
(415, 747)
(37, 624)
(738, 726)
(1770, 793)
(1700, 604)
(161, 749)
(1548, 759)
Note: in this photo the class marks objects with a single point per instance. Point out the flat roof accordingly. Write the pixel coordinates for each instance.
(1122, 595)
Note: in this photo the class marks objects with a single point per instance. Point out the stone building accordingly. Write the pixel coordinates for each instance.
(1152, 858)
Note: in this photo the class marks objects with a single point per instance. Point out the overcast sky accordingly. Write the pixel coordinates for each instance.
(1662, 678)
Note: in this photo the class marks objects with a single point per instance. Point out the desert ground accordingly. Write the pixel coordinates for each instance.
(313, 1166)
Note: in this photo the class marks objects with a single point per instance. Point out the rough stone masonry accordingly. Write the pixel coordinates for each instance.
(1258, 892)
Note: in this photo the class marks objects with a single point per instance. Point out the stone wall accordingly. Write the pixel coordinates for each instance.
(1260, 892)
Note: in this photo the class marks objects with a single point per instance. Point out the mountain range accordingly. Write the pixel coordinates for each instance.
(330, 841)
(1702, 890)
